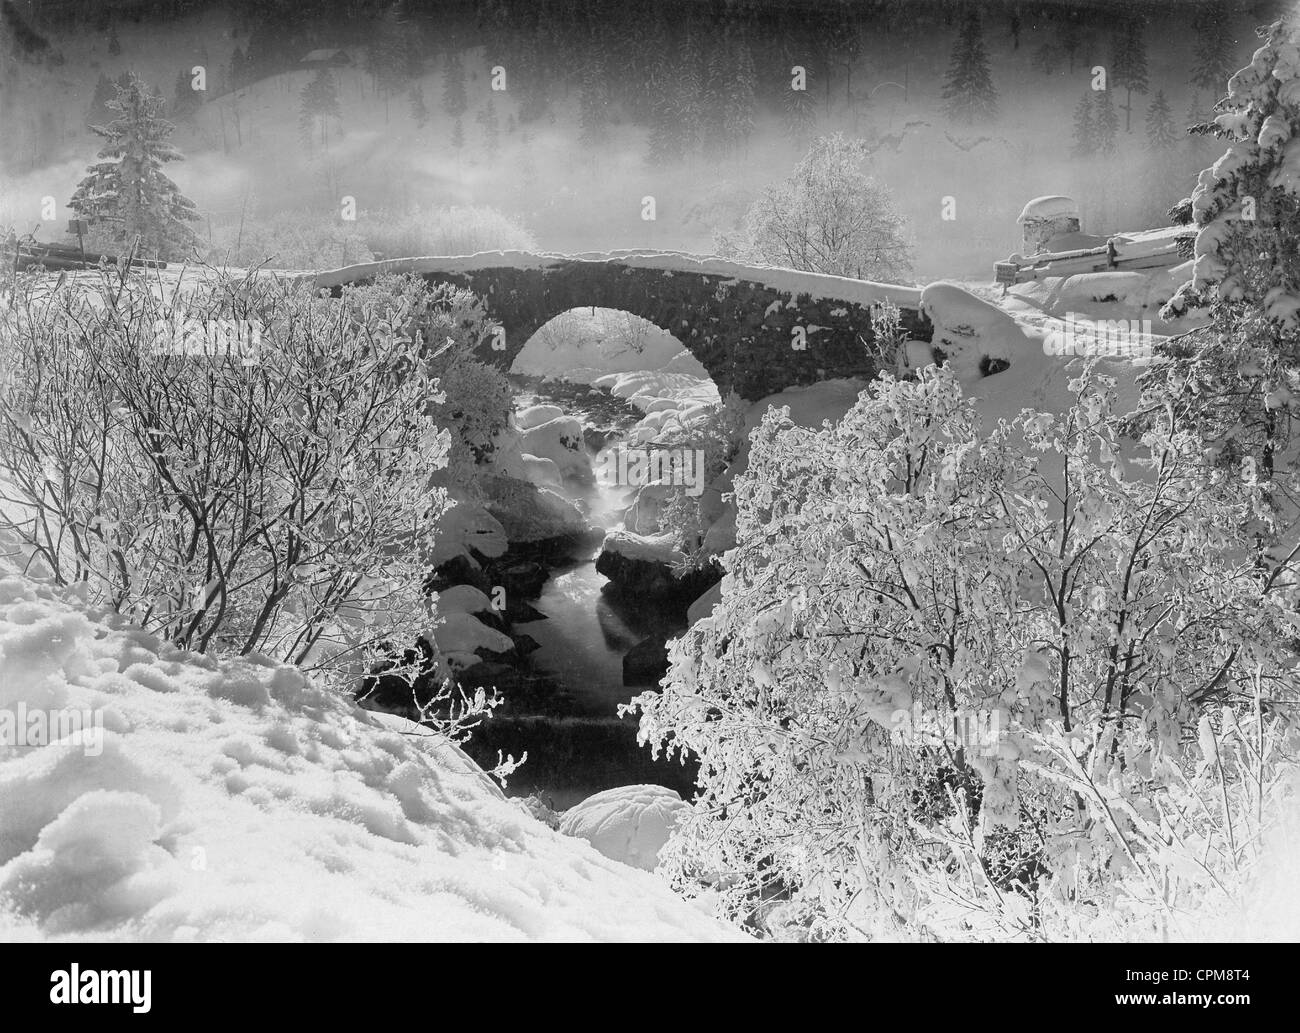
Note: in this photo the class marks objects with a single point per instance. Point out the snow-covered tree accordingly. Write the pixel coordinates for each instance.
(828, 216)
(1246, 209)
(126, 195)
(968, 90)
(901, 572)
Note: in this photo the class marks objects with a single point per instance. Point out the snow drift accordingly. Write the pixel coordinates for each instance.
(239, 800)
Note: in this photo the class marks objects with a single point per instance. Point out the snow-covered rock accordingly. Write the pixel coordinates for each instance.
(463, 599)
(465, 526)
(240, 801)
(559, 440)
(630, 824)
(458, 635)
(529, 513)
(536, 415)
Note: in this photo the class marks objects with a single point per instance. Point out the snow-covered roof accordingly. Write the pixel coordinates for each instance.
(1051, 206)
(326, 54)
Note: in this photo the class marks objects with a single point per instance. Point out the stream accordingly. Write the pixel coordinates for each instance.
(579, 745)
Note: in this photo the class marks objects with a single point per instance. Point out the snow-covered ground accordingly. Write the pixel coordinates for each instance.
(241, 801)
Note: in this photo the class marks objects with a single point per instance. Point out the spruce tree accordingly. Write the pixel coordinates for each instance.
(593, 102)
(186, 100)
(1128, 64)
(419, 110)
(664, 143)
(1085, 127)
(1161, 134)
(800, 115)
(739, 115)
(238, 69)
(1213, 61)
(968, 91)
(100, 112)
(114, 46)
(390, 55)
(125, 193)
(689, 93)
(454, 99)
(1106, 121)
(319, 104)
(1246, 376)
(491, 126)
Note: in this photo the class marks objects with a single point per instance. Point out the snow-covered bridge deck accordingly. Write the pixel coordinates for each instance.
(756, 329)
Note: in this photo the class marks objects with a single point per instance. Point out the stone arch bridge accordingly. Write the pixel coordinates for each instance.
(756, 330)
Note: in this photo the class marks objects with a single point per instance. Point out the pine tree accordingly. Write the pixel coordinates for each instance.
(187, 100)
(739, 116)
(664, 143)
(1128, 64)
(454, 99)
(488, 122)
(1106, 121)
(238, 69)
(319, 105)
(713, 100)
(800, 115)
(968, 91)
(419, 110)
(1161, 134)
(390, 55)
(1071, 41)
(1085, 127)
(1213, 52)
(125, 193)
(690, 86)
(114, 46)
(105, 91)
(593, 102)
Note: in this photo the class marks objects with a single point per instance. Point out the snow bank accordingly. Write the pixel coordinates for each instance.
(629, 824)
(242, 801)
(971, 332)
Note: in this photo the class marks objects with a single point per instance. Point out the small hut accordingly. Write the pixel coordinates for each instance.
(1046, 218)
